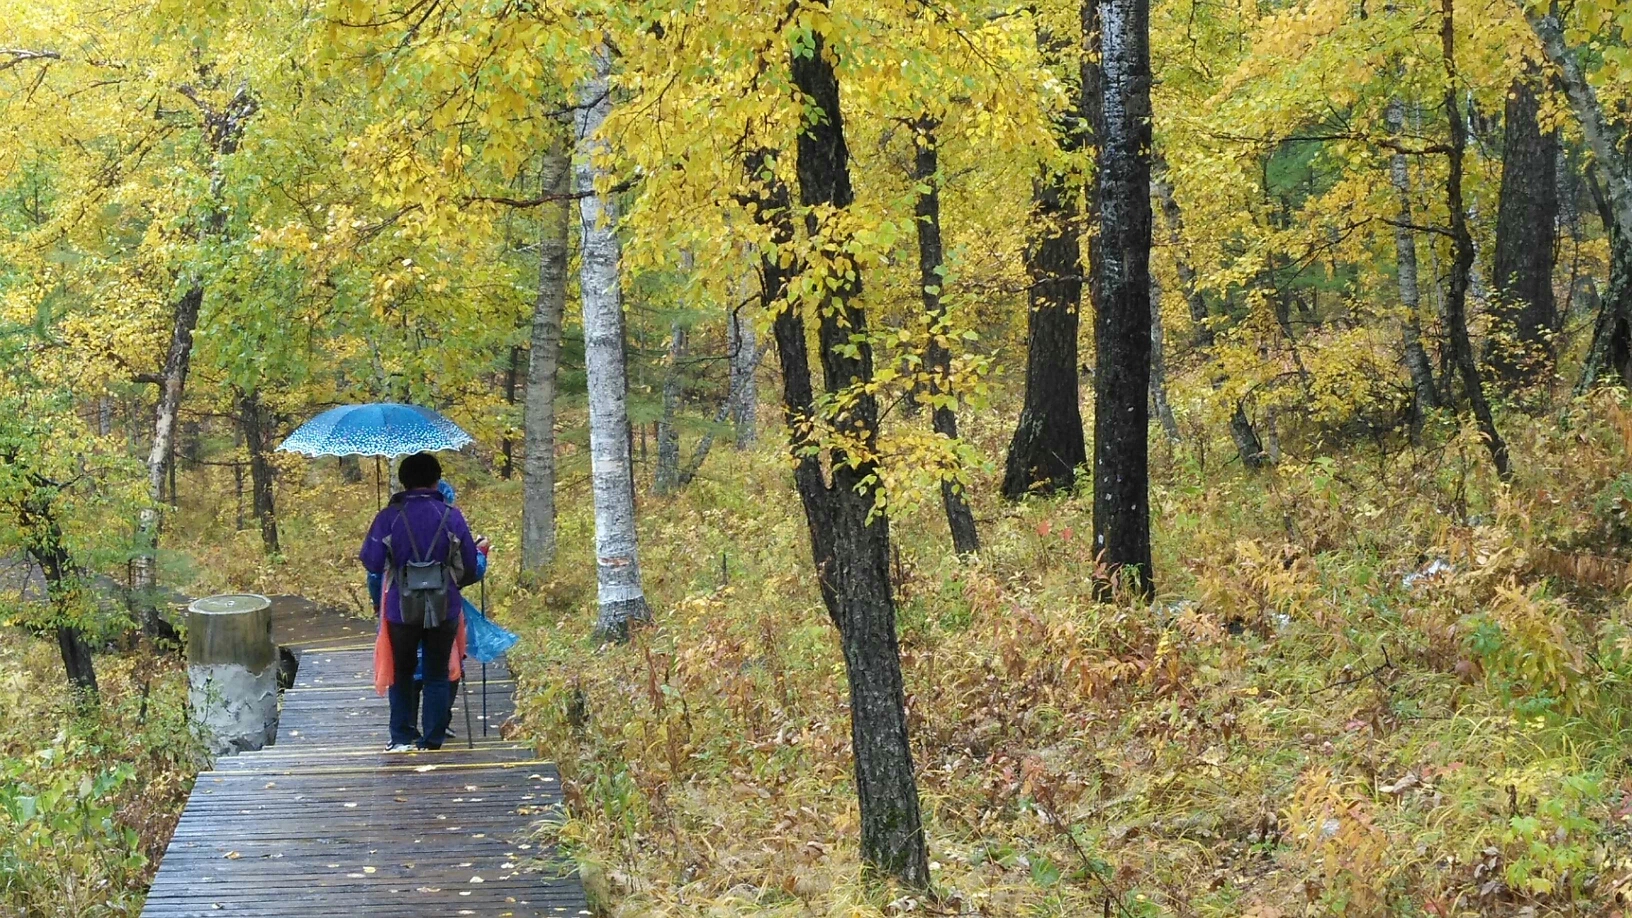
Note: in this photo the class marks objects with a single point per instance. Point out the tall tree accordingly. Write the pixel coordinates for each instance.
(507, 446)
(1242, 433)
(1158, 364)
(1611, 348)
(543, 362)
(1405, 261)
(849, 539)
(617, 564)
(938, 359)
(1048, 444)
(1456, 319)
(252, 424)
(1122, 326)
(223, 129)
(1526, 231)
(666, 478)
(743, 392)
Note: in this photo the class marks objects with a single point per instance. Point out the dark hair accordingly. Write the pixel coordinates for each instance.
(421, 470)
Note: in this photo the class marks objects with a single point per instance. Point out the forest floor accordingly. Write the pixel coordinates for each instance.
(1377, 683)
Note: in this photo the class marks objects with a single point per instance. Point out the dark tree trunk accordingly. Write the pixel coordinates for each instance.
(238, 477)
(849, 543)
(1048, 448)
(938, 358)
(1610, 353)
(77, 660)
(667, 477)
(1611, 185)
(252, 421)
(1247, 444)
(1048, 444)
(1122, 322)
(1456, 319)
(351, 469)
(507, 447)
(48, 549)
(1526, 230)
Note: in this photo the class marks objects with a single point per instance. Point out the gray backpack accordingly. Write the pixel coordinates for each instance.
(422, 583)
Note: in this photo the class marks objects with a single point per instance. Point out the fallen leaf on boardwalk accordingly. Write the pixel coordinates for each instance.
(231, 855)
(350, 805)
(370, 870)
(477, 880)
(424, 768)
(429, 889)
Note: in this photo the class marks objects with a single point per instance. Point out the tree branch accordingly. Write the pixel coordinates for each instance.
(541, 200)
(19, 55)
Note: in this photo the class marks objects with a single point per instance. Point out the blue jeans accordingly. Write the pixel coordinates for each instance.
(406, 641)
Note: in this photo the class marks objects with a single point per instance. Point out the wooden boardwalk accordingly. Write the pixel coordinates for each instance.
(327, 824)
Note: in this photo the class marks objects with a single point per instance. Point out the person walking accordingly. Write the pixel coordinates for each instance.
(418, 532)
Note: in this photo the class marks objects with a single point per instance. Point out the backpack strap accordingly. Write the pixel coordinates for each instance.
(414, 545)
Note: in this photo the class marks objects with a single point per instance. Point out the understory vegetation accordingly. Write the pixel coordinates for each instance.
(1377, 682)
(942, 457)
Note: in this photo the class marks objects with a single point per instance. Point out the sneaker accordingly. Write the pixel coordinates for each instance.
(400, 747)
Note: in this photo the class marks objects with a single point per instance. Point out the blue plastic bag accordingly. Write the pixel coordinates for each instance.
(484, 640)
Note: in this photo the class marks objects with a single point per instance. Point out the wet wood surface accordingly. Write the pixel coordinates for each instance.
(325, 823)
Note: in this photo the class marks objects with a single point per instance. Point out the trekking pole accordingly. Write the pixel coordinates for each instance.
(470, 736)
(484, 663)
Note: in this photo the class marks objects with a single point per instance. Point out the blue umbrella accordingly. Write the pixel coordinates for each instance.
(382, 429)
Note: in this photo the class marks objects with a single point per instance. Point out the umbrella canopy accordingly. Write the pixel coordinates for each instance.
(382, 429)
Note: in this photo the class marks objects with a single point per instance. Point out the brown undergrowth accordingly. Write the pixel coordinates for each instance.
(1378, 683)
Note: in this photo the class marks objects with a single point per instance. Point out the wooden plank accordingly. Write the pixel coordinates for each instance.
(327, 823)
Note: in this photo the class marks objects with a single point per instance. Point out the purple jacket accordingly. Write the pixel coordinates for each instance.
(422, 510)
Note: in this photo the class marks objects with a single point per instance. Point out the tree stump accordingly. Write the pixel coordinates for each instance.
(232, 671)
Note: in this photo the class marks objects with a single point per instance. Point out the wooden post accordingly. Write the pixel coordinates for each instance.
(232, 670)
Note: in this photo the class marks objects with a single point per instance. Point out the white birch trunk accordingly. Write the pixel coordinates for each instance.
(223, 129)
(743, 393)
(538, 411)
(617, 565)
(1158, 363)
(1405, 254)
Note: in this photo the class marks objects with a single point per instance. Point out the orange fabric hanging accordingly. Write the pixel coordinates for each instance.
(384, 668)
(456, 658)
(385, 672)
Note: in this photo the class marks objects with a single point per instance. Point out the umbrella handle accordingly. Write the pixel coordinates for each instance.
(484, 699)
